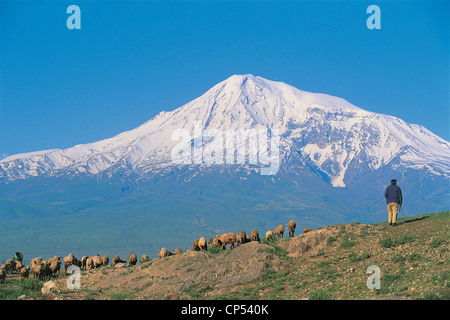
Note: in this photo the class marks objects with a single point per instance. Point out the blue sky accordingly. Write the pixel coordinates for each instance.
(133, 59)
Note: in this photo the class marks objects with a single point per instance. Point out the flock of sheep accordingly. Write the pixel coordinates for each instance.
(51, 267)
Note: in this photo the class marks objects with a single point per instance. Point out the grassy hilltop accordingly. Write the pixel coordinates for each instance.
(327, 263)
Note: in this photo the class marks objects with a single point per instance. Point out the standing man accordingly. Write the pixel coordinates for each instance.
(394, 198)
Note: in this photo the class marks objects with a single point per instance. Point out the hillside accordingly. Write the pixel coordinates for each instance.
(326, 263)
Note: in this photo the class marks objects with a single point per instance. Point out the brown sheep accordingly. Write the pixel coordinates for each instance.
(89, 263)
(306, 230)
(24, 273)
(10, 265)
(97, 261)
(34, 270)
(2, 275)
(19, 266)
(269, 234)
(177, 251)
(55, 268)
(241, 237)
(164, 253)
(291, 227)
(68, 261)
(105, 260)
(215, 241)
(36, 261)
(83, 262)
(195, 246)
(202, 244)
(254, 236)
(116, 260)
(39, 270)
(227, 238)
(132, 259)
(55, 258)
(279, 231)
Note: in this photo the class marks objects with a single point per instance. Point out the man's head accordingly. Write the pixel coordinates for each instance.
(393, 181)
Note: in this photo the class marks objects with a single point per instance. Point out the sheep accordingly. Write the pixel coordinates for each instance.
(55, 258)
(83, 262)
(55, 267)
(177, 251)
(269, 234)
(10, 265)
(24, 273)
(68, 261)
(97, 261)
(202, 244)
(291, 227)
(279, 231)
(227, 238)
(105, 260)
(215, 241)
(164, 253)
(306, 230)
(2, 275)
(36, 261)
(241, 237)
(132, 259)
(39, 270)
(254, 236)
(89, 263)
(19, 266)
(116, 260)
(195, 246)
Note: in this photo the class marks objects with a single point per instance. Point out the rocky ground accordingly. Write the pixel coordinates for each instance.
(327, 263)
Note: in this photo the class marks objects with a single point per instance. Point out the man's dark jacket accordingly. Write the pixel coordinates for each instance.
(393, 194)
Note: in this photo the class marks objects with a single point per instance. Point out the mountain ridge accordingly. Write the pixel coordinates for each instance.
(245, 102)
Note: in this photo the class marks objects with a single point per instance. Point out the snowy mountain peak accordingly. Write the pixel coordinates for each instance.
(329, 132)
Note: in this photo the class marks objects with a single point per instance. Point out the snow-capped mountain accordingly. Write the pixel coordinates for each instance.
(328, 132)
